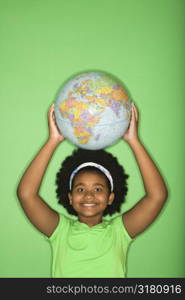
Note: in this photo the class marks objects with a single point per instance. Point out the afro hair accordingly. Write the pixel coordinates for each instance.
(102, 157)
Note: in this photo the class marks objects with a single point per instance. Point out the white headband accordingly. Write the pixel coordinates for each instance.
(91, 164)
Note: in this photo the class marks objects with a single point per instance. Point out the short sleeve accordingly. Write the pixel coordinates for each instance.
(118, 221)
(60, 226)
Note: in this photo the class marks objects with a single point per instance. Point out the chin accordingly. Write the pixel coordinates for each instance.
(89, 214)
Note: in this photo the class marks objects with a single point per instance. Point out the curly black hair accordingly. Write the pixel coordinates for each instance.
(102, 157)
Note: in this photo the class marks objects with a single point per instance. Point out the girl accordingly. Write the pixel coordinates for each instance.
(90, 185)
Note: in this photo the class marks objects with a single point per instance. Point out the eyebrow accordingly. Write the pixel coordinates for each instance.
(81, 183)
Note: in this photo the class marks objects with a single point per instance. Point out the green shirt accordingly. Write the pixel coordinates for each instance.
(80, 251)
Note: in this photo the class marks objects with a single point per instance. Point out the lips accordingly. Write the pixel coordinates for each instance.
(88, 204)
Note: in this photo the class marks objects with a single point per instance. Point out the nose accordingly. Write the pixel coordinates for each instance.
(89, 195)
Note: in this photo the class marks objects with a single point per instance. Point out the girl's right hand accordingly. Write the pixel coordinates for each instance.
(54, 132)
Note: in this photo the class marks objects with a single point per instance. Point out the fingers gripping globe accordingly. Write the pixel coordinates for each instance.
(93, 110)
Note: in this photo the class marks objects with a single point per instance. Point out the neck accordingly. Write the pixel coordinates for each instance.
(90, 221)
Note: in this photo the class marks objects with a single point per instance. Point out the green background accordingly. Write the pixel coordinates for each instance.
(43, 43)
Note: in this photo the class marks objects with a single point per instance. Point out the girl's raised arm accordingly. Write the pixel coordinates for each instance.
(139, 217)
(39, 213)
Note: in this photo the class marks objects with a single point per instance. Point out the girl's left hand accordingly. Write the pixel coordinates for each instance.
(131, 134)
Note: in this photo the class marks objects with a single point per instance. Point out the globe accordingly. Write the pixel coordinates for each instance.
(92, 110)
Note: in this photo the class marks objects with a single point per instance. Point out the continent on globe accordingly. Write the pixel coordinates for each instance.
(93, 110)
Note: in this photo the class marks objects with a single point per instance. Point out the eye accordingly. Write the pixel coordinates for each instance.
(80, 190)
(98, 189)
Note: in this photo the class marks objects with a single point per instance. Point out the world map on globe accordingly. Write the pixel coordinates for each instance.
(91, 109)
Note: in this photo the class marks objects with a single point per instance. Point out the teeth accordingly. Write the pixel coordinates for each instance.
(88, 204)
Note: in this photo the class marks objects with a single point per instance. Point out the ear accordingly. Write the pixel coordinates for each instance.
(70, 198)
(111, 198)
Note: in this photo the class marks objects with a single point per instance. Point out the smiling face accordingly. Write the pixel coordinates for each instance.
(90, 195)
